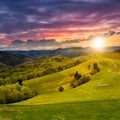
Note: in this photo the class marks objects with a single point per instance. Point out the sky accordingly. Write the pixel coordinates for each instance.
(51, 24)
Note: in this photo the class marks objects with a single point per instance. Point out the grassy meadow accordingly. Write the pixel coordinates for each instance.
(87, 110)
(97, 99)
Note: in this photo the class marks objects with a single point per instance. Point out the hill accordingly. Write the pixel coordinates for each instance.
(70, 52)
(8, 59)
(101, 86)
(37, 68)
(62, 71)
(96, 99)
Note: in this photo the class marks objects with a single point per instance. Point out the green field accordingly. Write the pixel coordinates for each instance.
(97, 99)
(88, 110)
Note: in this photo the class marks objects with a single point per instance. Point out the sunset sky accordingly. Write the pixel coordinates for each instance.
(50, 24)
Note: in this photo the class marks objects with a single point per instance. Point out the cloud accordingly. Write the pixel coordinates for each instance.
(72, 41)
(17, 42)
(51, 19)
(37, 14)
(52, 43)
(33, 44)
(40, 44)
(118, 33)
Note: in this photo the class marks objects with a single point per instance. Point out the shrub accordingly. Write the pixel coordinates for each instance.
(26, 92)
(60, 68)
(77, 76)
(19, 96)
(77, 62)
(92, 72)
(60, 89)
(74, 83)
(85, 78)
(20, 81)
(88, 67)
(96, 67)
(14, 93)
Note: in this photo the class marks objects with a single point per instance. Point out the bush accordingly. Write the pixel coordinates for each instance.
(88, 67)
(60, 89)
(26, 92)
(92, 72)
(14, 93)
(96, 67)
(77, 62)
(19, 96)
(85, 78)
(74, 83)
(60, 68)
(77, 76)
(20, 81)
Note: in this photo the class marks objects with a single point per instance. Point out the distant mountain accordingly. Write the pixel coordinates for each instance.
(118, 50)
(8, 59)
(70, 52)
(73, 51)
(32, 53)
(112, 48)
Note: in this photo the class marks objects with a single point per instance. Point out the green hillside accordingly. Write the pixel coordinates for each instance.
(97, 99)
(37, 68)
(103, 85)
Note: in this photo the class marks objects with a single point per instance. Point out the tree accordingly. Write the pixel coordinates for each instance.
(88, 67)
(20, 82)
(60, 89)
(77, 76)
(96, 67)
(27, 92)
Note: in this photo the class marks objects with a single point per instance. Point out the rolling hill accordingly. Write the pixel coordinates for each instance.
(8, 59)
(101, 86)
(37, 68)
(69, 51)
(93, 100)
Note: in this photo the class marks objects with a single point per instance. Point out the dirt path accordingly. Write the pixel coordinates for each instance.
(114, 66)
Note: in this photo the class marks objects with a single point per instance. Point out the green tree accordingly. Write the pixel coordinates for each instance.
(26, 92)
(60, 89)
(20, 81)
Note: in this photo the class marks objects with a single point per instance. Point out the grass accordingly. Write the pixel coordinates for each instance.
(47, 86)
(89, 110)
(90, 101)
(57, 79)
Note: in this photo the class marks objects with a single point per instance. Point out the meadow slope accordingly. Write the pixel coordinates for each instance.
(97, 99)
(104, 85)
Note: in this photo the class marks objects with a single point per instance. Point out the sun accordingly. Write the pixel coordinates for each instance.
(98, 43)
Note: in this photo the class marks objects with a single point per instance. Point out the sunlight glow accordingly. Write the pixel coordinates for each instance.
(98, 43)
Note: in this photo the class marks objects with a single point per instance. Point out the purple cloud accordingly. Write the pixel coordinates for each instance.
(38, 19)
